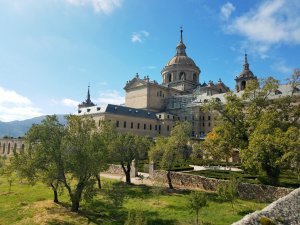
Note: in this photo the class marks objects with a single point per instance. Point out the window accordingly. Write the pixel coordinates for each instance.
(150, 127)
(220, 91)
(88, 110)
(208, 117)
(155, 127)
(98, 108)
(117, 123)
(185, 118)
(203, 117)
(131, 125)
(159, 127)
(145, 126)
(168, 128)
(124, 124)
(182, 76)
(138, 126)
(209, 124)
(195, 77)
(168, 117)
(159, 116)
(203, 124)
(169, 77)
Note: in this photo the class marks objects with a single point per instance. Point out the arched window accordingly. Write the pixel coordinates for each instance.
(3, 148)
(195, 77)
(8, 149)
(182, 76)
(22, 148)
(243, 85)
(169, 77)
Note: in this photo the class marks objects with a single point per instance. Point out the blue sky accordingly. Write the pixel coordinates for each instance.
(50, 50)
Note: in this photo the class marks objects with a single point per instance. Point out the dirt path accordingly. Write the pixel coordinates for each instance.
(134, 180)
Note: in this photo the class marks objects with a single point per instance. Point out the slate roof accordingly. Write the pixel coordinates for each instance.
(119, 110)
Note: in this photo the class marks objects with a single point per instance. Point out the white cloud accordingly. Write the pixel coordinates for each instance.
(10, 96)
(105, 6)
(281, 67)
(14, 106)
(226, 10)
(270, 23)
(140, 36)
(70, 102)
(110, 97)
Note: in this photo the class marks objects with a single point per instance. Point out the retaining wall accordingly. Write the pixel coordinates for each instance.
(245, 190)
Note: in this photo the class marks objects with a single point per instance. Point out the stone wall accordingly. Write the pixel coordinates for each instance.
(246, 191)
(284, 211)
(117, 169)
(114, 169)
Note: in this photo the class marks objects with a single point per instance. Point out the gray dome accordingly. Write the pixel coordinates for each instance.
(181, 60)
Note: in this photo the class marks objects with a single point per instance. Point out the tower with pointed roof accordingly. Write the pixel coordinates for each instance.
(88, 102)
(181, 72)
(245, 76)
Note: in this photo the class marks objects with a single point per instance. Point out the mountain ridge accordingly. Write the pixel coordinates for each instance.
(18, 128)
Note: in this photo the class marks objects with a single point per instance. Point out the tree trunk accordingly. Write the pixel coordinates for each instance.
(127, 172)
(169, 179)
(76, 197)
(98, 181)
(55, 194)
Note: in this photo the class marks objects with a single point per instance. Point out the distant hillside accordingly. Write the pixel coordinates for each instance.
(19, 128)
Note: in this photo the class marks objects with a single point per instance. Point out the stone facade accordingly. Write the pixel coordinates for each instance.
(284, 211)
(180, 95)
(8, 145)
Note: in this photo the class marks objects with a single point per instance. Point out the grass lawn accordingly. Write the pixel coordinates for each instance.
(33, 205)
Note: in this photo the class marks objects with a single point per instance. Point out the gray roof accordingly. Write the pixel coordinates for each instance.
(127, 111)
(119, 110)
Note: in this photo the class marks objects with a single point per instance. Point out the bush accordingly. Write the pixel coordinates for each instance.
(266, 221)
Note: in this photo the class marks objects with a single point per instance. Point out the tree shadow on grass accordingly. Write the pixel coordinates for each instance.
(59, 222)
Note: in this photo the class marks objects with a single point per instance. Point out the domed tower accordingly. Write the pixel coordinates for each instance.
(245, 76)
(181, 72)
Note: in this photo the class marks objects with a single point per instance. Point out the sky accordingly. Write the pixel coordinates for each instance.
(51, 50)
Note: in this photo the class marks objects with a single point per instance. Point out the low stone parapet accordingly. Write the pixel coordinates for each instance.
(284, 211)
(245, 190)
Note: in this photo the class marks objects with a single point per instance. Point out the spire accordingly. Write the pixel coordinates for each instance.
(181, 47)
(88, 100)
(246, 64)
(181, 34)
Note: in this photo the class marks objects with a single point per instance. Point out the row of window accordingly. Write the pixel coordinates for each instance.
(193, 118)
(140, 126)
(160, 94)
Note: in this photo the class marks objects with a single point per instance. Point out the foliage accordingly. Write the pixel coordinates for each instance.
(116, 194)
(266, 221)
(135, 217)
(157, 190)
(197, 201)
(257, 124)
(168, 150)
(70, 156)
(127, 147)
(228, 191)
(31, 205)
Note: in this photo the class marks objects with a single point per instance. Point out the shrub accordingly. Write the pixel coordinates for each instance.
(266, 221)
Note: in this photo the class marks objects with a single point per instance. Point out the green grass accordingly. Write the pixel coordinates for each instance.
(33, 205)
(285, 180)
